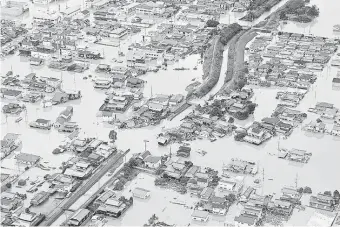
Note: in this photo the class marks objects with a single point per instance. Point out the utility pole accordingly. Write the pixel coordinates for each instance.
(262, 180)
(26, 115)
(61, 80)
(296, 180)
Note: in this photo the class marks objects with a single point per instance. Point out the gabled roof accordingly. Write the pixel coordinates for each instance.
(145, 154)
(152, 159)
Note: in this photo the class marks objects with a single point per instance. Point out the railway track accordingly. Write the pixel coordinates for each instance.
(66, 204)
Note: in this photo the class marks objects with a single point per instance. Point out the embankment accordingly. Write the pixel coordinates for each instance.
(236, 69)
(272, 23)
(213, 59)
(257, 8)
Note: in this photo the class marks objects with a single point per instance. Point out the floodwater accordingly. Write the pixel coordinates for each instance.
(160, 204)
(321, 173)
(322, 25)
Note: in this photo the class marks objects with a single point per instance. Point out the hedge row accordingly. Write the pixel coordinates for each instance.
(214, 65)
(229, 32)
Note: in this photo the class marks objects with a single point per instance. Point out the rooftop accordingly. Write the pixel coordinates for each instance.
(24, 157)
(152, 159)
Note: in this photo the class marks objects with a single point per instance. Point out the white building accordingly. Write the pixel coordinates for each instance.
(44, 2)
(141, 193)
(118, 33)
(43, 17)
(152, 161)
(199, 215)
(72, 11)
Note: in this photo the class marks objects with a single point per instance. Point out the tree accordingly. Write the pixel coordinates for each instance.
(300, 190)
(231, 120)
(241, 115)
(188, 163)
(313, 11)
(336, 196)
(9, 185)
(119, 186)
(231, 198)
(153, 219)
(113, 135)
(267, 8)
(239, 136)
(241, 83)
(216, 111)
(328, 193)
(212, 23)
(251, 108)
(307, 190)
(295, 4)
(251, 15)
(133, 162)
(122, 199)
(184, 180)
(283, 16)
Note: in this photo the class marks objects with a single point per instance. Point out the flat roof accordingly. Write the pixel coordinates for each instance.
(200, 214)
(70, 10)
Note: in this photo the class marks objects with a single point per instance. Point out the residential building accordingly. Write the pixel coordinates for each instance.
(336, 82)
(26, 158)
(78, 217)
(39, 198)
(79, 170)
(322, 201)
(291, 194)
(279, 207)
(71, 11)
(102, 83)
(321, 106)
(41, 123)
(335, 130)
(247, 193)
(176, 99)
(245, 220)
(141, 193)
(11, 94)
(153, 162)
(199, 215)
(9, 143)
(118, 33)
(9, 202)
(134, 82)
(43, 17)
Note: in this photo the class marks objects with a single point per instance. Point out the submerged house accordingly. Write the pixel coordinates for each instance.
(279, 207)
(322, 201)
